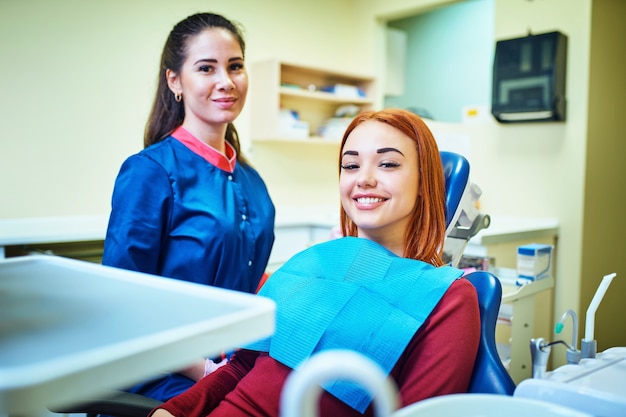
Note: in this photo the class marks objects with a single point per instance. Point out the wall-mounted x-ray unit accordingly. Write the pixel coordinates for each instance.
(529, 78)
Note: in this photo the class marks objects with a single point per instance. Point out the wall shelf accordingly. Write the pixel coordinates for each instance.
(322, 96)
(280, 86)
(311, 140)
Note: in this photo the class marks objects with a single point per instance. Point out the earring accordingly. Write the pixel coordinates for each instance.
(178, 97)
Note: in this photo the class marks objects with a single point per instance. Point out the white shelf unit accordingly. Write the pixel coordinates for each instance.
(519, 320)
(277, 85)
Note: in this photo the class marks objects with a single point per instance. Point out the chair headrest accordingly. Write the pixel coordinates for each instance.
(456, 174)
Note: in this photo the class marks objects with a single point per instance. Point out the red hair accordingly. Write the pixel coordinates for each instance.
(426, 232)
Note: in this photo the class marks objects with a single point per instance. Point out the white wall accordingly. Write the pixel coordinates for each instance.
(449, 60)
(79, 77)
(535, 169)
(543, 166)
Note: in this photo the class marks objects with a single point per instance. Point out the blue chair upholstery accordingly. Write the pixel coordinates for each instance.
(489, 376)
(456, 174)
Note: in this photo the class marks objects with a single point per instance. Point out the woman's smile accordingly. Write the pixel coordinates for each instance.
(378, 181)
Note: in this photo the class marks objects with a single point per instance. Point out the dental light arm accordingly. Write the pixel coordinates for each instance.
(467, 222)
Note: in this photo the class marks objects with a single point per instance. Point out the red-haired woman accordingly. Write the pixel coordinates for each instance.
(381, 290)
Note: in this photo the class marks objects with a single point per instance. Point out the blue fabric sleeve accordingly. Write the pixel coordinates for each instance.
(141, 210)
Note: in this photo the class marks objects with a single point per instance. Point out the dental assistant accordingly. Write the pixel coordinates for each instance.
(190, 206)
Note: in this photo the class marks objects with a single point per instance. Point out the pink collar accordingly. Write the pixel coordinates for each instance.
(210, 154)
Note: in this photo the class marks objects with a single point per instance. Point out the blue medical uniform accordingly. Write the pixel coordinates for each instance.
(176, 215)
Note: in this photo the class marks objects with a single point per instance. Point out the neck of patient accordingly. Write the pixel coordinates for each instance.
(392, 243)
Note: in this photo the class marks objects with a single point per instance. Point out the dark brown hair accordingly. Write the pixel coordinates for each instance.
(167, 114)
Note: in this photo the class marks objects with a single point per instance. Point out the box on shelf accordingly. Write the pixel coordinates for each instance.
(344, 90)
(534, 262)
(291, 127)
(334, 128)
(477, 263)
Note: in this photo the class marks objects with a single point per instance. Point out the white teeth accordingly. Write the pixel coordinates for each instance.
(369, 200)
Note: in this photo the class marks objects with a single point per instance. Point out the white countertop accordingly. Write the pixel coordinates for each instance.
(67, 334)
(511, 228)
(22, 231)
(87, 228)
(308, 216)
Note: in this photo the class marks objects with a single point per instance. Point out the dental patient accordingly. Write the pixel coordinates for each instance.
(381, 290)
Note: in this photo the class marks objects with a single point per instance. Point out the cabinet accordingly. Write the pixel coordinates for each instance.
(517, 321)
(79, 237)
(278, 86)
(526, 311)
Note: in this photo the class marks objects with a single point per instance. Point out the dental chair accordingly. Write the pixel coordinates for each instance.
(463, 221)
(489, 376)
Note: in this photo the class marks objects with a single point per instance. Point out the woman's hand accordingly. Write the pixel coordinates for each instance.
(195, 371)
(199, 370)
(159, 412)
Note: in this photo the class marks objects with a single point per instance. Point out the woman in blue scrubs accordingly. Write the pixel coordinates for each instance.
(189, 206)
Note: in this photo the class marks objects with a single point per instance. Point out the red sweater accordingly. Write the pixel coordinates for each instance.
(438, 360)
